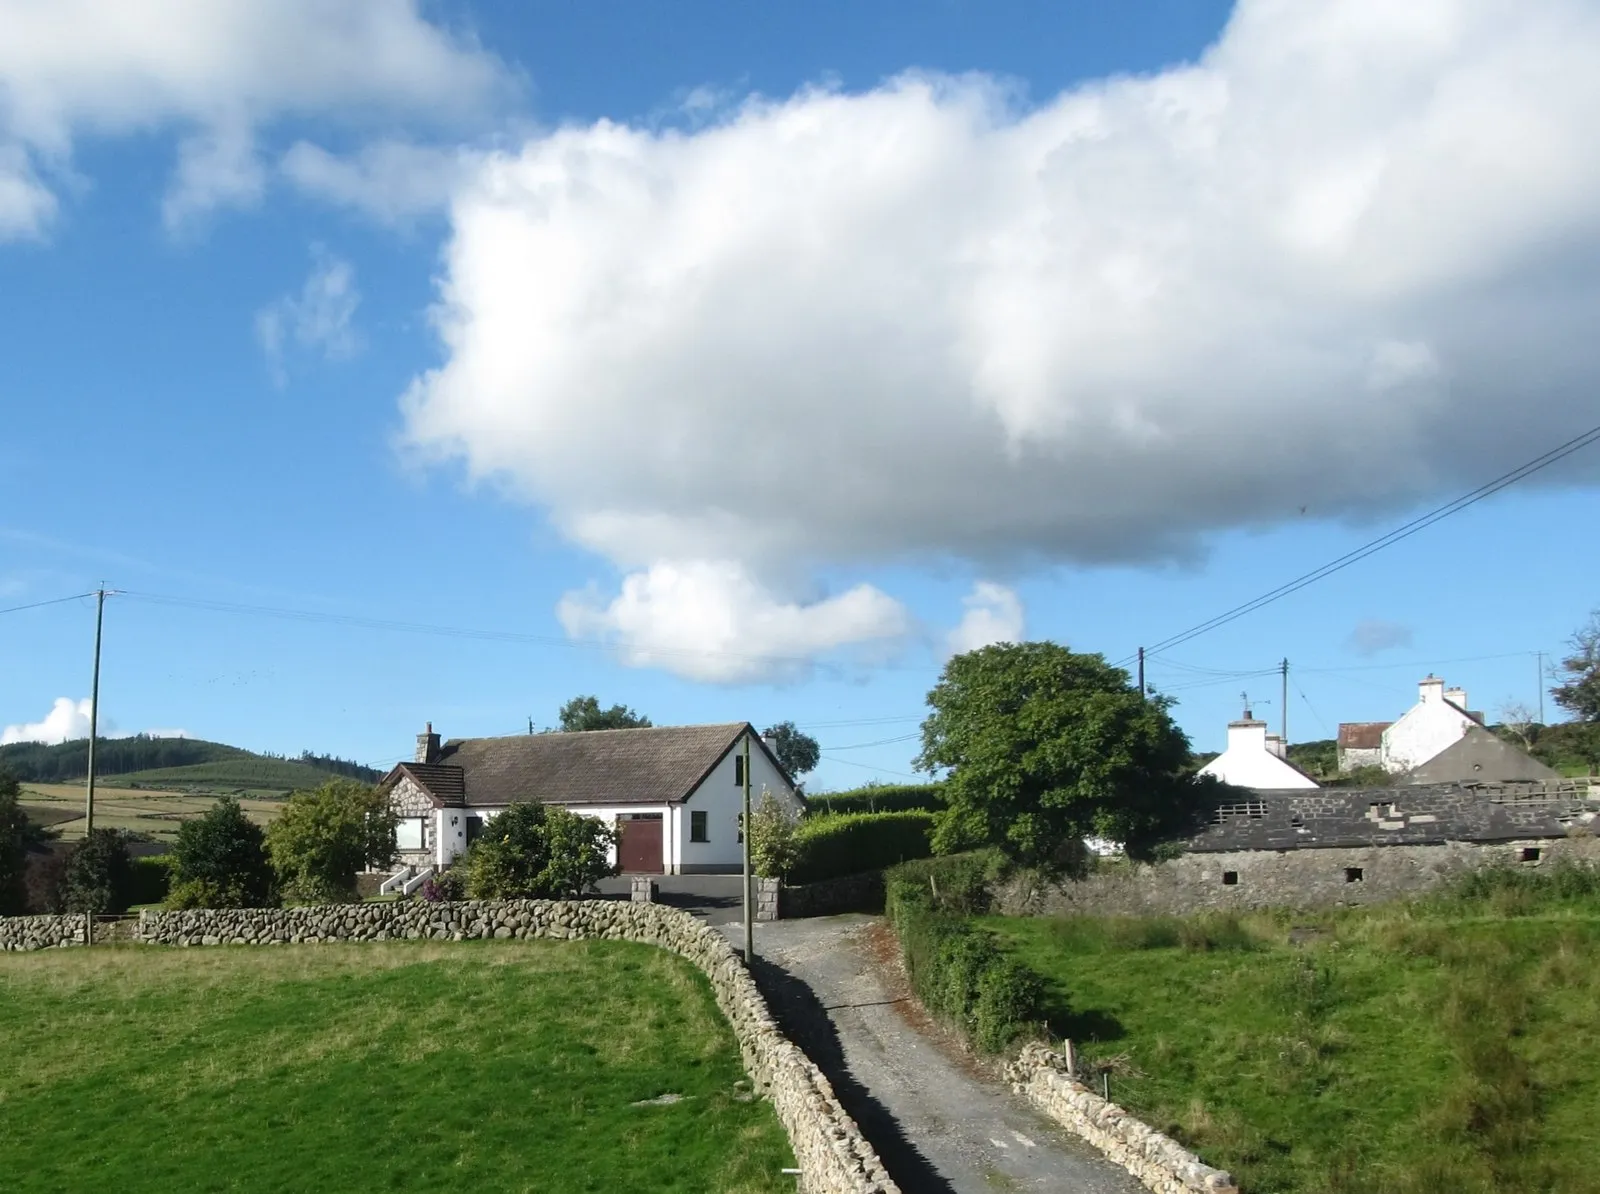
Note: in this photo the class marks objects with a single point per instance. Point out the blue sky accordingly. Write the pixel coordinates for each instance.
(721, 360)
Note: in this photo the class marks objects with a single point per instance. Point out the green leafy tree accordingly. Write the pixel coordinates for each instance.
(14, 839)
(799, 753)
(1045, 746)
(535, 851)
(99, 874)
(324, 838)
(584, 713)
(774, 846)
(1579, 690)
(220, 861)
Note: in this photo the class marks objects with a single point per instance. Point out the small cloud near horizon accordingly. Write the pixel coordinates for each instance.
(1375, 634)
(69, 720)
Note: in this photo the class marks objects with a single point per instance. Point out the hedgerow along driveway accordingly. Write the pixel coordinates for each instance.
(940, 1124)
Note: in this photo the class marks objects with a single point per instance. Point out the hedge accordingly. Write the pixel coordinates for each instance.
(957, 969)
(830, 845)
(880, 798)
(150, 879)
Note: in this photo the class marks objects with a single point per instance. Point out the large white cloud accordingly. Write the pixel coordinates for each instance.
(1319, 269)
(69, 719)
(994, 614)
(216, 71)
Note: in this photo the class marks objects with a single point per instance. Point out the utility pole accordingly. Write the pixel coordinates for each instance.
(1539, 684)
(1284, 712)
(94, 710)
(749, 910)
(1141, 671)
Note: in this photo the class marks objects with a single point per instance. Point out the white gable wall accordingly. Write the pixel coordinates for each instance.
(1250, 763)
(1430, 726)
(722, 800)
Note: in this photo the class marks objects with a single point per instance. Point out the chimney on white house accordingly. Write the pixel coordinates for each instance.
(1457, 697)
(1431, 690)
(427, 746)
(1247, 734)
(1278, 746)
(770, 743)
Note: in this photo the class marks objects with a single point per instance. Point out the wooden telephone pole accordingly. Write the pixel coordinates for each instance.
(749, 910)
(94, 709)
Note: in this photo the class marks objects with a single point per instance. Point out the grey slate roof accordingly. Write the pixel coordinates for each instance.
(1411, 816)
(1479, 757)
(658, 765)
(443, 783)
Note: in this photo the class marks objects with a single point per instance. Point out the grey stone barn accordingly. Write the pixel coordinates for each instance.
(674, 793)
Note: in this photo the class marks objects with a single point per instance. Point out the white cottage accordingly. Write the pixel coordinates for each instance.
(1256, 759)
(675, 793)
(1438, 720)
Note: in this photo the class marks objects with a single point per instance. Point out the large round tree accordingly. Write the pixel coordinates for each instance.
(1045, 746)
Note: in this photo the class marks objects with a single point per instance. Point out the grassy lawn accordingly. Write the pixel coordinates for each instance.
(1441, 1047)
(514, 1066)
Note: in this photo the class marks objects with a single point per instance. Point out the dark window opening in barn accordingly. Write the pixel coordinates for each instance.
(1230, 878)
(738, 771)
(1530, 854)
(697, 827)
(1352, 874)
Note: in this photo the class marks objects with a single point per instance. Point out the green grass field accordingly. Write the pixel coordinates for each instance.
(153, 812)
(516, 1066)
(1448, 1047)
(228, 776)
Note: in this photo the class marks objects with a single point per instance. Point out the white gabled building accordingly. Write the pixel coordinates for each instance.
(1438, 720)
(674, 793)
(1256, 759)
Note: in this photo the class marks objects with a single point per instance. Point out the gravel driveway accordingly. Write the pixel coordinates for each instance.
(937, 1121)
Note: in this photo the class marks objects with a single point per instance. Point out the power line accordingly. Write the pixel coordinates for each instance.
(879, 742)
(503, 636)
(52, 601)
(1404, 531)
(870, 767)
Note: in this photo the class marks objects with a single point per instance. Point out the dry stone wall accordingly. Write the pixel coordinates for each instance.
(1158, 1161)
(40, 932)
(832, 1155)
(1240, 880)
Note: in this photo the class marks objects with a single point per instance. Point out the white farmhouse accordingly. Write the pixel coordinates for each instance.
(674, 793)
(1437, 721)
(1256, 759)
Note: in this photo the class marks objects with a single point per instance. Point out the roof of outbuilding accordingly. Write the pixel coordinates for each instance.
(657, 765)
(1362, 735)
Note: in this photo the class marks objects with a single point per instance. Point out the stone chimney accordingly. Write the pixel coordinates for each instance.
(1431, 690)
(1277, 745)
(427, 746)
(1457, 697)
(770, 743)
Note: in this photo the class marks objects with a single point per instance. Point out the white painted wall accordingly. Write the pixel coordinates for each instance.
(721, 799)
(1428, 727)
(1251, 763)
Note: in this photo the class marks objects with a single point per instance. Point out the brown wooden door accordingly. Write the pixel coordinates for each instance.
(639, 851)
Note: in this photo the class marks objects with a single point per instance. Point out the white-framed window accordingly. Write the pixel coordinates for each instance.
(408, 833)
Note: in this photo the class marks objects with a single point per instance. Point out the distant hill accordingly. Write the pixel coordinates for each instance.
(190, 764)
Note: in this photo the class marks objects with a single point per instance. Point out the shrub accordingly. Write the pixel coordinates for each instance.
(13, 849)
(958, 883)
(830, 845)
(99, 874)
(220, 861)
(444, 887)
(958, 970)
(774, 844)
(880, 798)
(535, 851)
(150, 880)
(324, 838)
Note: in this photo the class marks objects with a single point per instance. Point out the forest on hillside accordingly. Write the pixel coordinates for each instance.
(64, 762)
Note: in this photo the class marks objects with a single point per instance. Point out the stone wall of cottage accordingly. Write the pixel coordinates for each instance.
(1241, 880)
(409, 800)
(1159, 1161)
(830, 1151)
